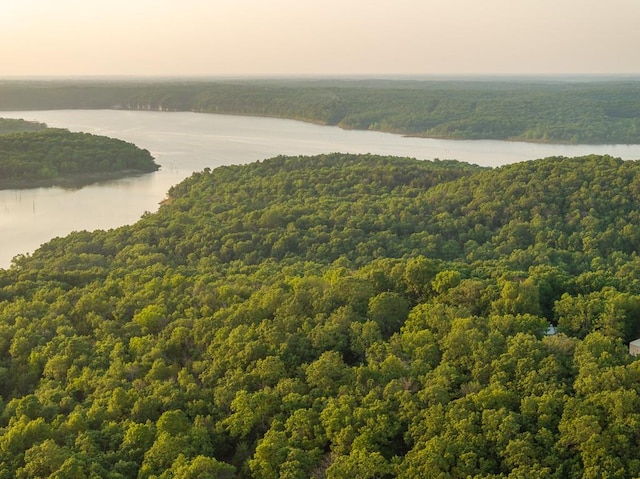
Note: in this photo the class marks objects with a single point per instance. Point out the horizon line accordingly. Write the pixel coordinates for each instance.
(359, 76)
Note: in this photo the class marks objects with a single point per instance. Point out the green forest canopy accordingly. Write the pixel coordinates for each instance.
(52, 154)
(597, 112)
(336, 316)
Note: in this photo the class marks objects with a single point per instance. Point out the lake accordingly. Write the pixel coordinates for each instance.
(185, 142)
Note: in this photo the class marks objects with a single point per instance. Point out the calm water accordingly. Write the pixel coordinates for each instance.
(186, 142)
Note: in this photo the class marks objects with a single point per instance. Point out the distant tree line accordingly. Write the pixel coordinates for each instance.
(562, 112)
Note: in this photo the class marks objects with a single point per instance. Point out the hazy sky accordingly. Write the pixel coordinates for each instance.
(321, 37)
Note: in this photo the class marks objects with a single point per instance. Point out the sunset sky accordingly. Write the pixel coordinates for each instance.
(328, 37)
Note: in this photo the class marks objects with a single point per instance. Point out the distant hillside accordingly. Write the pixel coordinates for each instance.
(336, 316)
(56, 156)
(595, 112)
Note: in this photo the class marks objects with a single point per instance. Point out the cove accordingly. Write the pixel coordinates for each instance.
(184, 142)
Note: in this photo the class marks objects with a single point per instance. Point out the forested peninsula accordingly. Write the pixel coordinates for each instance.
(336, 316)
(596, 112)
(52, 156)
(10, 125)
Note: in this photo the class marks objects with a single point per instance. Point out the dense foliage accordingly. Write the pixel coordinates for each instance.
(336, 316)
(564, 112)
(53, 154)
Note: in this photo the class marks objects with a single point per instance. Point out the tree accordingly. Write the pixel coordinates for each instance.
(328, 373)
(389, 311)
(42, 460)
(518, 297)
(201, 467)
(359, 464)
(419, 272)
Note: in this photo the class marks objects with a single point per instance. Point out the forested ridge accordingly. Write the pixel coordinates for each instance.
(50, 155)
(598, 112)
(336, 316)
